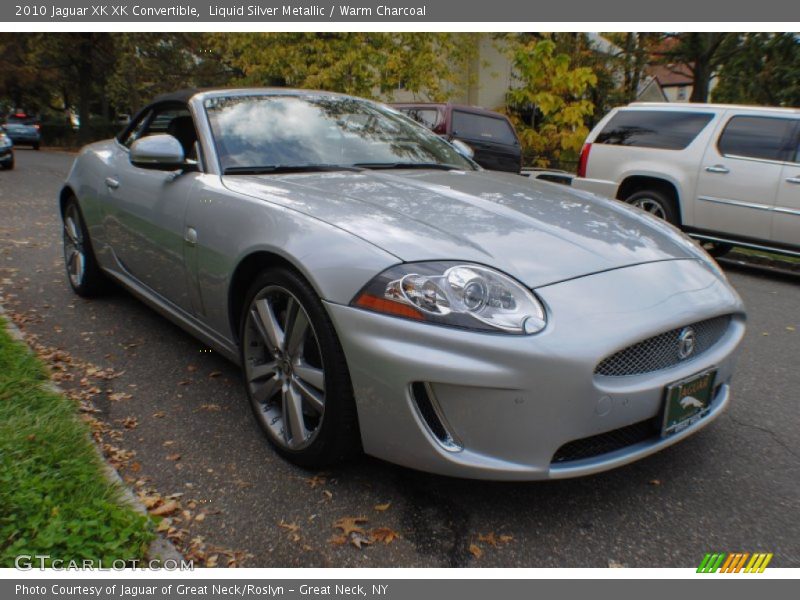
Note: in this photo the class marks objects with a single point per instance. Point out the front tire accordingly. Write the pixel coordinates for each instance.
(295, 372)
(83, 272)
(657, 203)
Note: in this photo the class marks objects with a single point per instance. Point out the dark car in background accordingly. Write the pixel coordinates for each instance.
(6, 151)
(23, 129)
(490, 135)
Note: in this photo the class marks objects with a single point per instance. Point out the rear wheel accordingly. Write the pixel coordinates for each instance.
(9, 165)
(83, 272)
(657, 203)
(295, 372)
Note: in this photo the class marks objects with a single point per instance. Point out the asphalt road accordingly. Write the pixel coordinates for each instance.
(733, 487)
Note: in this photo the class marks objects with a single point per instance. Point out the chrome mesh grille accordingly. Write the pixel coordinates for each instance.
(661, 351)
(603, 443)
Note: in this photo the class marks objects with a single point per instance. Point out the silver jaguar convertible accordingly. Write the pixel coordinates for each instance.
(382, 293)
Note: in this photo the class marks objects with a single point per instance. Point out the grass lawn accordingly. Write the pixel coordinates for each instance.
(54, 497)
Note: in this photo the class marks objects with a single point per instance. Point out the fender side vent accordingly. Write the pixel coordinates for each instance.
(431, 414)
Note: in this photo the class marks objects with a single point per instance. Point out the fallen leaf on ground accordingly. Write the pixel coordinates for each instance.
(382, 507)
(130, 422)
(475, 550)
(165, 509)
(359, 540)
(160, 414)
(214, 374)
(350, 525)
(384, 534)
(173, 457)
(293, 527)
(316, 480)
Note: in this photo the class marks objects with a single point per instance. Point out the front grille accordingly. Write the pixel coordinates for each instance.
(610, 441)
(661, 351)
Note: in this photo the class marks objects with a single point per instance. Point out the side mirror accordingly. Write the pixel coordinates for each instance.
(463, 149)
(162, 152)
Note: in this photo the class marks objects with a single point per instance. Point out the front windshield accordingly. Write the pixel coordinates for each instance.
(285, 131)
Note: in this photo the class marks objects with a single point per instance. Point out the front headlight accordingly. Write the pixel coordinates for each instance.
(455, 294)
(5, 141)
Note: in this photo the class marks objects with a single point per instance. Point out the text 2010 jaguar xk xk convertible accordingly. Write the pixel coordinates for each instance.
(381, 291)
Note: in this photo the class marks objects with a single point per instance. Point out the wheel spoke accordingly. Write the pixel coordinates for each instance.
(264, 390)
(267, 324)
(311, 375)
(313, 398)
(296, 332)
(71, 229)
(293, 422)
(261, 371)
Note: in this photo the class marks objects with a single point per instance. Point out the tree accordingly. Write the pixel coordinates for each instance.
(700, 54)
(557, 91)
(765, 70)
(150, 64)
(79, 62)
(364, 64)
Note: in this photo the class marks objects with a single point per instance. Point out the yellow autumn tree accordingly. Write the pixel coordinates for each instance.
(556, 93)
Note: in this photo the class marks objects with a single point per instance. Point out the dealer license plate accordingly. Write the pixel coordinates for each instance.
(687, 401)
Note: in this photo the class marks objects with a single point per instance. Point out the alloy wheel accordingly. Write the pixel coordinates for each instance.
(652, 206)
(283, 368)
(74, 252)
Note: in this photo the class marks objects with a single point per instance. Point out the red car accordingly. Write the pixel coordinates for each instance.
(490, 135)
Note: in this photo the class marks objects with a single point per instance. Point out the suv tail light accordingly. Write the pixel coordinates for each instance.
(583, 161)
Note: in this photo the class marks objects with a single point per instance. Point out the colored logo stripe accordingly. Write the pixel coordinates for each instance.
(734, 562)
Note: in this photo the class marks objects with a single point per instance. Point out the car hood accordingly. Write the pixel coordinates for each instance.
(536, 231)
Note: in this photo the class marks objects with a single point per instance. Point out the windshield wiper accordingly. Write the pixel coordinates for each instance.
(260, 170)
(404, 165)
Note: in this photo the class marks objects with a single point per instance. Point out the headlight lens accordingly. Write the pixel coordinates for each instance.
(4, 140)
(455, 294)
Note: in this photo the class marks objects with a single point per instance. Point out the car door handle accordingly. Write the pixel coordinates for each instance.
(793, 179)
(190, 237)
(112, 183)
(718, 169)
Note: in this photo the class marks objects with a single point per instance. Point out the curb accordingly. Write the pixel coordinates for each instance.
(161, 549)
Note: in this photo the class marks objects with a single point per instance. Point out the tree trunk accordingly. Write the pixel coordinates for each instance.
(701, 72)
(85, 86)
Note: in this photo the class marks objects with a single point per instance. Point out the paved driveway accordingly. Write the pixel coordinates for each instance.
(734, 487)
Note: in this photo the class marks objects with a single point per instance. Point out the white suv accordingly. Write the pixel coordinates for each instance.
(727, 175)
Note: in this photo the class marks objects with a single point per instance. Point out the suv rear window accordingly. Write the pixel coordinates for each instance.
(768, 138)
(669, 130)
(482, 127)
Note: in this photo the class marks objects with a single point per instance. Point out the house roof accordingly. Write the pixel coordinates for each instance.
(671, 75)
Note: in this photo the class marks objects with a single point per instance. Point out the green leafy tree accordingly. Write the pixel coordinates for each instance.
(558, 93)
(765, 70)
(364, 64)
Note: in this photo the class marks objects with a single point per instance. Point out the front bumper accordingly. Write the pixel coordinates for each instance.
(510, 402)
